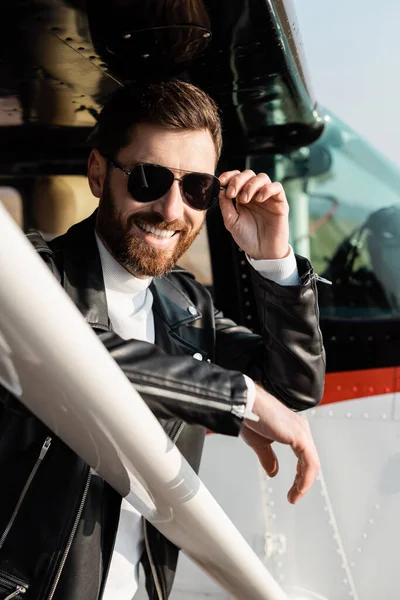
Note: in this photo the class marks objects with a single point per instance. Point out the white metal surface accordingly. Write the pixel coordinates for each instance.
(340, 542)
(52, 360)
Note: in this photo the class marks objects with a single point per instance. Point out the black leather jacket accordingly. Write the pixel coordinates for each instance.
(57, 522)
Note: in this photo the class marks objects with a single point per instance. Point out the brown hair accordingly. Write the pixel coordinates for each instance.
(172, 104)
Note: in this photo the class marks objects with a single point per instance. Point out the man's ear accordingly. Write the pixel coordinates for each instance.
(97, 170)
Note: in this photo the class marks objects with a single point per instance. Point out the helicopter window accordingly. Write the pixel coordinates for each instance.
(58, 202)
(51, 204)
(345, 215)
(12, 202)
(197, 259)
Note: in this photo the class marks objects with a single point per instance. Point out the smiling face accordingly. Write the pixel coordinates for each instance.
(149, 238)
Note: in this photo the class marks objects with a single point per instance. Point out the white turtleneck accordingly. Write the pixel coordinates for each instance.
(129, 303)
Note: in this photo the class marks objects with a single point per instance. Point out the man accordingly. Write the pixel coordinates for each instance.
(152, 167)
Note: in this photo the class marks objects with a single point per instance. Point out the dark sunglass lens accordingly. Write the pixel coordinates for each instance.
(200, 189)
(147, 183)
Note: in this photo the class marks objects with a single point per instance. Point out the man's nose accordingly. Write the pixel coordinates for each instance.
(171, 205)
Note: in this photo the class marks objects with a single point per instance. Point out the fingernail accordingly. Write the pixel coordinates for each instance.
(244, 197)
(231, 192)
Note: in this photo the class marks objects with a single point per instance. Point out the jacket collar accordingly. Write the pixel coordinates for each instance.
(83, 281)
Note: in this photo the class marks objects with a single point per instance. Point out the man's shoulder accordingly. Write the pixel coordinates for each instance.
(40, 244)
(77, 237)
(50, 251)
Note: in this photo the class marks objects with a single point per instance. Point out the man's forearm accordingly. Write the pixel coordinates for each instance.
(180, 386)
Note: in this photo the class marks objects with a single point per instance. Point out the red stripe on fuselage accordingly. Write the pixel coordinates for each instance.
(350, 385)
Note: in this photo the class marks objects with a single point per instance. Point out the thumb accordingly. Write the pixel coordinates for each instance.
(228, 210)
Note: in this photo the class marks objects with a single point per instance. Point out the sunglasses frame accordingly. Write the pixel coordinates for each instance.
(119, 167)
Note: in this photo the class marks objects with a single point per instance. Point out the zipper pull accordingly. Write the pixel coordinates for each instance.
(239, 410)
(321, 279)
(20, 590)
(44, 449)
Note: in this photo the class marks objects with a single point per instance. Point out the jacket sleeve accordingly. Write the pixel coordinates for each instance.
(172, 386)
(288, 358)
(180, 386)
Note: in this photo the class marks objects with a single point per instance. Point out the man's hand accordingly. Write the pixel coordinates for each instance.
(259, 222)
(279, 424)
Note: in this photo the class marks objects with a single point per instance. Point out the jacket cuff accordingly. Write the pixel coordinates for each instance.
(306, 276)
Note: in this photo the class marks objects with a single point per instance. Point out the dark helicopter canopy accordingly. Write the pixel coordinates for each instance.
(59, 59)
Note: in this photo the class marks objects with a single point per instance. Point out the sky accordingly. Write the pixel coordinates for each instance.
(353, 54)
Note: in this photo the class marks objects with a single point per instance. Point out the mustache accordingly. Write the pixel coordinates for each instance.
(157, 220)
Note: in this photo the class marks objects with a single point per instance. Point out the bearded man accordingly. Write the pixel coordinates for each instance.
(156, 148)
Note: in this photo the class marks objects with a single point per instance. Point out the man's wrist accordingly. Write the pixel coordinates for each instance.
(280, 270)
(251, 396)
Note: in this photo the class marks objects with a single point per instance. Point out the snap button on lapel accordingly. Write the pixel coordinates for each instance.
(192, 310)
(198, 356)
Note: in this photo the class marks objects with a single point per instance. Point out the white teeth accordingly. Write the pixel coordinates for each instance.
(160, 233)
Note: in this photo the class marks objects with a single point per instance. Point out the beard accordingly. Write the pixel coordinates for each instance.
(137, 257)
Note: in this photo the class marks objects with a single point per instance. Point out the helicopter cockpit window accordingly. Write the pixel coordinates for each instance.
(50, 204)
(12, 202)
(58, 202)
(197, 259)
(345, 215)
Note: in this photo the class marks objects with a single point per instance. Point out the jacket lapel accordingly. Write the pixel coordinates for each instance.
(82, 272)
(172, 312)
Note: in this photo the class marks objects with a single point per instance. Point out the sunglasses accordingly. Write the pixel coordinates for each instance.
(148, 182)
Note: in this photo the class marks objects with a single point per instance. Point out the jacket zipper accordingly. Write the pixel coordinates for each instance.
(237, 409)
(10, 582)
(157, 583)
(321, 279)
(178, 432)
(20, 590)
(71, 537)
(312, 276)
(27, 485)
(153, 568)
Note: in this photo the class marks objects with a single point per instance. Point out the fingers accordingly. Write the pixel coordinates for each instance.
(282, 425)
(250, 188)
(243, 185)
(227, 176)
(269, 460)
(262, 447)
(246, 186)
(228, 211)
(307, 468)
